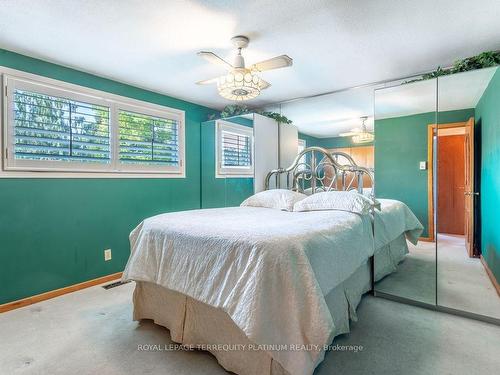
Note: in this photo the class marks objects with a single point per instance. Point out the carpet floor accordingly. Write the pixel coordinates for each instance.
(91, 332)
(462, 282)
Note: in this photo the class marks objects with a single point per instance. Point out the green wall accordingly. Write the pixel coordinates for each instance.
(488, 118)
(53, 231)
(310, 141)
(220, 192)
(400, 144)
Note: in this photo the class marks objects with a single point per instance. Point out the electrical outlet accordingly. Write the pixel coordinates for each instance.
(107, 254)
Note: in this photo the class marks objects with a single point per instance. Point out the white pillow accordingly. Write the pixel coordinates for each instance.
(367, 192)
(309, 191)
(280, 199)
(335, 200)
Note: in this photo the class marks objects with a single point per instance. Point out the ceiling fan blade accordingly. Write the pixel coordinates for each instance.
(277, 62)
(208, 81)
(264, 84)
(216, 60)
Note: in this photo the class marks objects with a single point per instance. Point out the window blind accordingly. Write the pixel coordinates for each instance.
(59, 129)
(145, 139)
(236, 150)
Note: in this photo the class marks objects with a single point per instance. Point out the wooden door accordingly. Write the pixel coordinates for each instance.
(451, 184)
(469, 186)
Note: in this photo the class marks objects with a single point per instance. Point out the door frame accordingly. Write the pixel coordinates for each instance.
(431, 131)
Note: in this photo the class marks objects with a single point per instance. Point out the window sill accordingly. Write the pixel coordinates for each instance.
(224, 176)
(92, 175)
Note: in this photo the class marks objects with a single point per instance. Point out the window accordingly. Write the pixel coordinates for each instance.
(147, 140)
(234, 153)
(66, 128)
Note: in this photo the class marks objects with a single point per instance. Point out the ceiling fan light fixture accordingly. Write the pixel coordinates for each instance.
(363, 138)
(241, 82)
(239, 85)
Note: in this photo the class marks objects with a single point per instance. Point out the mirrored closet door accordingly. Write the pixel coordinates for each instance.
(468, 192)
(437, 151)
(404, 114)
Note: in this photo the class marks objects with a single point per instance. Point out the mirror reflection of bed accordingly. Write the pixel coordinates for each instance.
(362, 155)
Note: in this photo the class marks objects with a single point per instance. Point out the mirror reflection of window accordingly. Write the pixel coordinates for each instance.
(301, 146)
(234, 150)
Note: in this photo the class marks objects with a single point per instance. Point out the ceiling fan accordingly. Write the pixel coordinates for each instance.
(358, 135)
(241, 82)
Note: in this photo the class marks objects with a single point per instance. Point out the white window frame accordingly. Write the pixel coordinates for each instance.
(301, 145)
(302, 161)
(11, 167)
(232, 172)
(125, 167)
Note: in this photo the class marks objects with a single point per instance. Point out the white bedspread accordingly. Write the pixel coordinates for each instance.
(393, 219)
(267, 269)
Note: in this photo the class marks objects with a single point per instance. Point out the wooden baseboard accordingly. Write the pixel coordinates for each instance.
(58, 292)
(491, 276)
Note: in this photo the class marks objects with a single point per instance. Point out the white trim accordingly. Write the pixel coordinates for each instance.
(232, 172)
(301, 143)
(21, 169)
(46, 174)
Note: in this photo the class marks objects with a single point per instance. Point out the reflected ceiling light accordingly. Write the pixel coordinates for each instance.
(241, 83)
(363, 138)
(360, 135)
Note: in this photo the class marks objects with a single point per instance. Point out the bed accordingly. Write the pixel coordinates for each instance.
(265, 291)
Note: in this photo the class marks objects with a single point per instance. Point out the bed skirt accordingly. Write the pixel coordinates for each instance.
(388, 257)
(199, 325)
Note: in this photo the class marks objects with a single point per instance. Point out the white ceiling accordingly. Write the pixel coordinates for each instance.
(458, 91)
(334, 43)
(330, 115)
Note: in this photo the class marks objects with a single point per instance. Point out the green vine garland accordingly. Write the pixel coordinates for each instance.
(483, 60)
(238, 110)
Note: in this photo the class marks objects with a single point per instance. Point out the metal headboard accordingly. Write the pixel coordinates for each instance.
(321, 169)
(316, 169)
